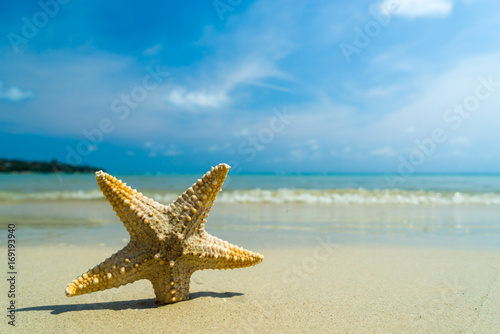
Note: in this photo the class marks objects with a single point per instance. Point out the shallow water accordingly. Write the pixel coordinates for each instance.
(268, 208)
(94, 222)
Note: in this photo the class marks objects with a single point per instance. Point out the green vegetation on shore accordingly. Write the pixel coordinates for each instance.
(54, 166)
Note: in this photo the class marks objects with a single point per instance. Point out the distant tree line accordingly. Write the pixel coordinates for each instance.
(54, 166)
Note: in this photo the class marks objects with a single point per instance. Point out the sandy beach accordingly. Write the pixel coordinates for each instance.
(326, 287)
(327, 268)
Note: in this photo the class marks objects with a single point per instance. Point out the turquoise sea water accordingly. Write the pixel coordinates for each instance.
(53, 207)
(329, 189)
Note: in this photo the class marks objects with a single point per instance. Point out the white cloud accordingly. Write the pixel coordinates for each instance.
(155, 150)
(217, 92)
(226, 148)
(246, 54)
(153, 51)
(346, 151)
(428, 107)
(308, 149)
(313, 144)
(14, 94)
(415, 8)
(297, 154)
(457, 153)
(461, 141)
(384, 152)
(274, 160)
(268, 85)
(213, 148)
(69, 91)
(241, 133)
(172, 151)
(182, 98)
(383, 91)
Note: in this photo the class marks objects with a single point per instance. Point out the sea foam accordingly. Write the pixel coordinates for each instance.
(358, 196)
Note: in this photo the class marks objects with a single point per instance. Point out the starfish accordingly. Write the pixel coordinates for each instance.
(167, 242)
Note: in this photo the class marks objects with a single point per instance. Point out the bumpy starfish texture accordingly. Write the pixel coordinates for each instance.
(167, 242)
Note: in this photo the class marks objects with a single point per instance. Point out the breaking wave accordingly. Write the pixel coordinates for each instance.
(359, 196)
(51, 195)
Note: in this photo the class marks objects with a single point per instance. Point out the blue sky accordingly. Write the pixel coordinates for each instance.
(324, 86)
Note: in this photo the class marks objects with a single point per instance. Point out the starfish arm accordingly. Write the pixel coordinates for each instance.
(171, 284)
(121, 268)
(209, 252)
(139, 214)
(193, 206)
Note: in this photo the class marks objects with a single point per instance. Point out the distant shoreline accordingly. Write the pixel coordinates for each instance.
(17, 166)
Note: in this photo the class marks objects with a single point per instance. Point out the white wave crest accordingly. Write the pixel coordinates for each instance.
(51, 195)
(290, 196)
(359, 197)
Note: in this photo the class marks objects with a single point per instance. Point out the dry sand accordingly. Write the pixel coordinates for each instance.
(376, 288)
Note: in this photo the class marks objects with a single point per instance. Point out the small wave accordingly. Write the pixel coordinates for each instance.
(291, 196)
(359, 197)
(51, 195)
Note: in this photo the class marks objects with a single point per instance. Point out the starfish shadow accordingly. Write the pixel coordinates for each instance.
(139, 304)
(199, 294)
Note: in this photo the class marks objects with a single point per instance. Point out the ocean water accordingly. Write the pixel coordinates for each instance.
(277, 189)
(52, 207)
